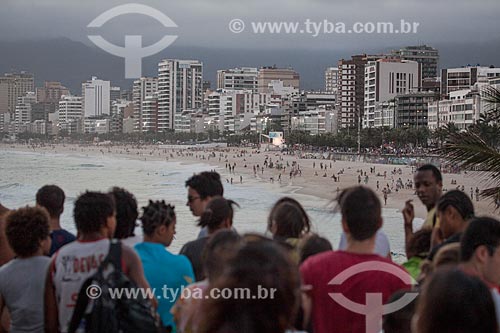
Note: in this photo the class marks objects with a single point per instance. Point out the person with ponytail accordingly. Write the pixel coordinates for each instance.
(218, 215)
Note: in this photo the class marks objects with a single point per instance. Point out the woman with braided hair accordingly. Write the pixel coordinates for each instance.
(162, 268)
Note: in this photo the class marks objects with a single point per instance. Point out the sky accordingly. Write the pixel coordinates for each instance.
(205, 23)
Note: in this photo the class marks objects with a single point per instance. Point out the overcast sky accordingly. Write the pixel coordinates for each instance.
(205, 22)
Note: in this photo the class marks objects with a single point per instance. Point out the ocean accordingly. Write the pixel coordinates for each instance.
(22, 173)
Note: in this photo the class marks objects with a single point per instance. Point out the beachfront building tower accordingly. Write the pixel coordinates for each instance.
(180, 87)
(244, 78)
(143, 88)
(384, 80)
(95, 97)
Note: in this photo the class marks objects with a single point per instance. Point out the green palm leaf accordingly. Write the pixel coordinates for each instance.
(469, 151)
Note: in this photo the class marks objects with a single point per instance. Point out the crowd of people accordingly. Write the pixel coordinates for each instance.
(295, 279)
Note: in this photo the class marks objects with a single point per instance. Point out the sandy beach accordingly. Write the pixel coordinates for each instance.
(288, 173)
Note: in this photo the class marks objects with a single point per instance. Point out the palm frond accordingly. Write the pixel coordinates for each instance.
(469, 151)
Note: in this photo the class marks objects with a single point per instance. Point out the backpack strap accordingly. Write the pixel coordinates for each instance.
(115, 254)
(80, 307)
(114, 258)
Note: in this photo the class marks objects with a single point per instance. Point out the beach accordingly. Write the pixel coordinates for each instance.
(312, 180)
(159, 173)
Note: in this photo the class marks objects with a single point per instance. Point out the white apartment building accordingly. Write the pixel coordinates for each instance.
(462, 109)
(149, 111)
(95, 98)
(384, 114)
(98, 126)
(386, 78)
(22, 114)
(142, 88)
(226, 106)
(70, 108)
(453, 79)
(331, 79)
(180, 87)
(244, 78)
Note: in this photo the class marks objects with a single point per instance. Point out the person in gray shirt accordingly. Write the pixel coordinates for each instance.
(22, 280)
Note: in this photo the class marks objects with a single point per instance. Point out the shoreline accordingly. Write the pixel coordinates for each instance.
(311, 182)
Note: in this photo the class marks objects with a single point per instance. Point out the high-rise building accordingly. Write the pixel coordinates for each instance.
(351, 91)
(149, 110)
(386, 78)
(331, 78)
(244, 78)
(453, 79)
(96, 97)
(51, 92)
(411, 109)
(13, 86)
(23, 110)
(70, 108)
(143, 87)
(180, 87)
(425, 55)
(266, 75)
(114, 94)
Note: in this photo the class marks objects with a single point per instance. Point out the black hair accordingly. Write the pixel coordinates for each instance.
(217, 210)
(314, 245)
(362, 212)
(290, 218)
(92, 210)
(155, 214)
(435, 171)
(26, 228)
(207, 184)
(452, 301)
(126, 212)
(458, 200)
(51, 197)
(400, 320)
(480, 231)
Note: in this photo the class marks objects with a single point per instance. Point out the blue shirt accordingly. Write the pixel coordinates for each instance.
(60, 238)
(167, 275)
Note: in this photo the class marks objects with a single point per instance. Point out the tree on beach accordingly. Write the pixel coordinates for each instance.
(475, 148)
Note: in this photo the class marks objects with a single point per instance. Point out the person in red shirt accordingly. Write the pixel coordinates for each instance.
(334, 280)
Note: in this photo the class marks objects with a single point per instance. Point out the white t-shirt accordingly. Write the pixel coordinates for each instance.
(382, 246)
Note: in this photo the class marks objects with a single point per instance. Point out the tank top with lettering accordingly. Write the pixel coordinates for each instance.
(71, 266)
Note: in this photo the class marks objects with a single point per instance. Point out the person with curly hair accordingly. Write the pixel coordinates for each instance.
(161, 267)
(95, 219)
(22, 280)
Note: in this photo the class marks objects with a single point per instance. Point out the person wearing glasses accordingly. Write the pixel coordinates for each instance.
(202, 187)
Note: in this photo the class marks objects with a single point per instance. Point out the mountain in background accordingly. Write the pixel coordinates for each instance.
(73, 62)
